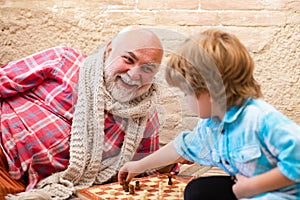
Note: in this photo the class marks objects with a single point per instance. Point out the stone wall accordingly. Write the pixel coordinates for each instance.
(270, 29)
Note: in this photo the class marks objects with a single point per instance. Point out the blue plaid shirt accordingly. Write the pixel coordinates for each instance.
(251, 139)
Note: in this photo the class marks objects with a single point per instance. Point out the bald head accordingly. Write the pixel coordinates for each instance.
(134, 38)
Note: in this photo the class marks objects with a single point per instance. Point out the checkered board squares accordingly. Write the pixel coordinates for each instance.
(151, 188)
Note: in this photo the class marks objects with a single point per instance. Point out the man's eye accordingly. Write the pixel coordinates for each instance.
(128, 59)
(147, 68)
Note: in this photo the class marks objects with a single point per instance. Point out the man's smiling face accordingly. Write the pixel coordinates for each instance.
(131, 62)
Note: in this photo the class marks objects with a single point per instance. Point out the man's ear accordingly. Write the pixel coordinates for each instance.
(107, 50)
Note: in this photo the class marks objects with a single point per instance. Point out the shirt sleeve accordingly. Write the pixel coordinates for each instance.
(197, 145)
(182, 144)
(26, 73)
(282, 137)
(150, 142)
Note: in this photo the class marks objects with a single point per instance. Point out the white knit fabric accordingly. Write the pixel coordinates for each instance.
(87, 136)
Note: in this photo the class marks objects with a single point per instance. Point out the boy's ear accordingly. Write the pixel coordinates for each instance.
(107, 50)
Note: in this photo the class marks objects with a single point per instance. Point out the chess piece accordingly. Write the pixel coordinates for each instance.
(170, 179)
(137, 185)
(131, 189)
(126, 186)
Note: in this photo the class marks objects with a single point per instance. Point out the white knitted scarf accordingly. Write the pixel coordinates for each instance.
(87, 136)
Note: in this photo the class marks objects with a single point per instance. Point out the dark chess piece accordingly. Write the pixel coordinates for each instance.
(170, 179)
(137, 185)
(131, 189)
(126, 186)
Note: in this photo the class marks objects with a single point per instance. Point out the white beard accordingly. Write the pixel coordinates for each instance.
(122, 94)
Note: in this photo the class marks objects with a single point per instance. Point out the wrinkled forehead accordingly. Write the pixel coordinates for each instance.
(137, 39)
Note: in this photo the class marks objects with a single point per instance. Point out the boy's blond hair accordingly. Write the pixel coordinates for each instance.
(216, 62)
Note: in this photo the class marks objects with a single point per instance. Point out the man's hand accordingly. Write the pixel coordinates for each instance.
(129, 171)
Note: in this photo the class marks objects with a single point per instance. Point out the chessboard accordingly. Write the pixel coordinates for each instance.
(155, 187)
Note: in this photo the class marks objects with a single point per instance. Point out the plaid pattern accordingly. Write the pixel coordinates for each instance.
(114, 136)
(37, 96)
(7, 184)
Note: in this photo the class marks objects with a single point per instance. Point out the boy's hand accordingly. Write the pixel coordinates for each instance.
(129, 171)
(241, 187)
(269, 181)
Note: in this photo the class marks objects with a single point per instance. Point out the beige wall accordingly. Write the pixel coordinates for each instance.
(270, 29)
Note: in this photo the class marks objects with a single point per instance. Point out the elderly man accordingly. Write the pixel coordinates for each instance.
(69, 121)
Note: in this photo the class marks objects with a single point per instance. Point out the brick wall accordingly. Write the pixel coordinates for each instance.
(270, 29)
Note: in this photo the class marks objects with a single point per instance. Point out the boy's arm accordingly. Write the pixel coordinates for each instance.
(164, 156)
(269, 181)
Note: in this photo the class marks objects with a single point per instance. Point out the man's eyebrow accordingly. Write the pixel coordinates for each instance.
(150, 64)
(132, 55)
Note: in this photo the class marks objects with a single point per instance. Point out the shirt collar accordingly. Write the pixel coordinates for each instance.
(233, 113)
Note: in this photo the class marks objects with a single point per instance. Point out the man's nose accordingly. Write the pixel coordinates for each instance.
(134, 73)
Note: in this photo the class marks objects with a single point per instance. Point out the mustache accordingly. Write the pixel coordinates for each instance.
(125, 78)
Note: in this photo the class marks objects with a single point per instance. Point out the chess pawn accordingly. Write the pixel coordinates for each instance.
(131, 189)
(170, 179)
(126, 186)
(137, 185)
